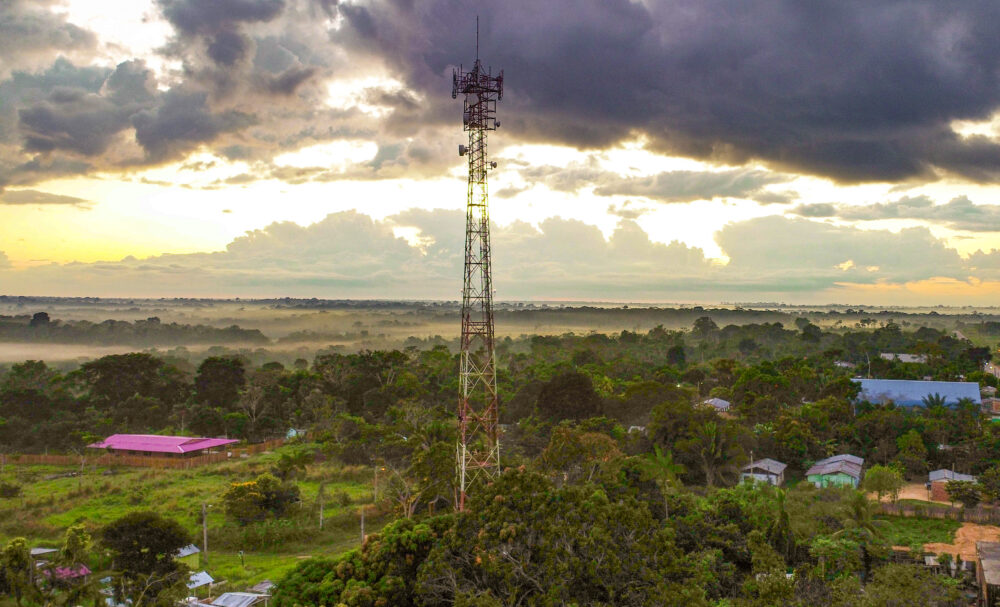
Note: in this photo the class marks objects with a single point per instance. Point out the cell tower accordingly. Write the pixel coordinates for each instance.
(478, 453)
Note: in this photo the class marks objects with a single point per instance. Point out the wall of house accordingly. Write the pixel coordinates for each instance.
(833, 480)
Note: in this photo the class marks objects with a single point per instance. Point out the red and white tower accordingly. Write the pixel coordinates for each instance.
(478, 453)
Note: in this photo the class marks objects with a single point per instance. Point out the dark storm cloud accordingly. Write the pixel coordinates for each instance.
(853, 90)
(219, 24)
(958, 214)
(182, 121)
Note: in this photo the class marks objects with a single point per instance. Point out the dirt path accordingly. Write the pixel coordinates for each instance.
(913, 491)
(966, 537)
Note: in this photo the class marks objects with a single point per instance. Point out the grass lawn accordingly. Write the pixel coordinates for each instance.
(908, 531)
(51, 502)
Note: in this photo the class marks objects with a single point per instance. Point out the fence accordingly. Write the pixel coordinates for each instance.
(985, 515)
(141, 461)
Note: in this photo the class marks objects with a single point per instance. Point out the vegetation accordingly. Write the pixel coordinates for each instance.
(620, 485)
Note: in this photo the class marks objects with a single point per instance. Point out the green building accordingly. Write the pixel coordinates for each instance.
(189, 555)
(837, 471)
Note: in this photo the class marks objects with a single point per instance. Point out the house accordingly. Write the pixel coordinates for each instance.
(912, 393)
(189, 555)
(843, 364)
(638, 429)
(837, 471)
(939, 481)
(199, 579)
(39, 553)
(720, 406)
(161, 446)
(240, 599)
(988, 572)
(764, 470)
(904, 358)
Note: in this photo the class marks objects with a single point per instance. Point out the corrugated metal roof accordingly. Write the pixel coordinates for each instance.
(945, 474)
(989, 556)
(199, 579)
(160, 444)
(848, 464)
(911, 393)
(718, 403)
(187, 551)
(767, 464)
(238, 599)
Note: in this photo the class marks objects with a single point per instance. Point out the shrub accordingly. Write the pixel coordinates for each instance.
(9, 490)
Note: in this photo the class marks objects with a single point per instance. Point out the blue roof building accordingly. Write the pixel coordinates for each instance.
(911, 393)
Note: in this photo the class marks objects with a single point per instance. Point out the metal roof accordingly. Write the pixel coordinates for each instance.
(718, 403)
(911, 393)
(199, 579)
(848, 464)
(767, 464)
(988, 554)
(238, 599)
(945, 474)
(186, 551)
(160, 444)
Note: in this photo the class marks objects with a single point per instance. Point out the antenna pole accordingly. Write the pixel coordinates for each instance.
(478, 451)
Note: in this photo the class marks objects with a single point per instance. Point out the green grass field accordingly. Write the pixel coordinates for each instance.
(52, 502)
(909, 531)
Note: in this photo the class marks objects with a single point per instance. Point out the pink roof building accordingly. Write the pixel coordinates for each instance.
(152, 444)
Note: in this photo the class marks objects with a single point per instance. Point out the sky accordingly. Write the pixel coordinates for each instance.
(683, 151)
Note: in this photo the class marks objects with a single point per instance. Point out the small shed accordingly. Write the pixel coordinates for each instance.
(988, 572)
(765, 470)
(199, 579)
(720, 405)
(939, 482)
(838, 471)
(189, 555)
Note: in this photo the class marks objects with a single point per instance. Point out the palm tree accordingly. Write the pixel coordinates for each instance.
(860, 524)
(715, 447)
(664, 472)
(934, 400)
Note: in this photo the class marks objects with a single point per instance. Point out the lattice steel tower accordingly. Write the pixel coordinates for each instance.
(478, 453)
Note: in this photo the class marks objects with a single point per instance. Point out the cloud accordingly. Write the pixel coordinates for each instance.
(41, 198)
(350, 255)
(958, 214)
(686, 186)
(4, 261)
(31, 33)
(852, 91)
(181, 122)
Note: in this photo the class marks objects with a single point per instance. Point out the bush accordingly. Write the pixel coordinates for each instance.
(9, 490)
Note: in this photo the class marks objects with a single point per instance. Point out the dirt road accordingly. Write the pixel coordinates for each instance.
(966, 537)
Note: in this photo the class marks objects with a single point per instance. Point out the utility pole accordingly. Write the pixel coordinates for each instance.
(478, 450)
(204, 533)
(362, 525)
(322, 487)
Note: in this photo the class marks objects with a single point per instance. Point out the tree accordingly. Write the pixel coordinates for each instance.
(660, 467)
(989, 483)
(17, 568)
(576, 455)
(714, 450)
(219, 381)
(964, 492)
(895, 585)
(524, 542)
(704, 326)
(912, 453)
(884, 480)
(39, 319)
(142, 546)
(568, 396)
(256, 500)
(861, 526)
(76, 545)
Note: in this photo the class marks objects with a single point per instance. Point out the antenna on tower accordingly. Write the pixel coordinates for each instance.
(478, 449)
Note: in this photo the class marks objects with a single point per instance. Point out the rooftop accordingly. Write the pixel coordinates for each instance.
(767, 464)
(911, 393)
(160, 444)
(718, 403)
(848, 464)
(199, 579)
(238, 599)
(187, 551)
(945, 474)
(988, 554)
